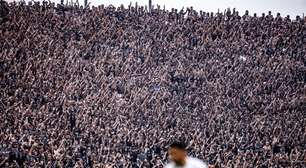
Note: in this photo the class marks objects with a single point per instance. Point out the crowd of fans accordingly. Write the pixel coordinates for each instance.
(113, 86)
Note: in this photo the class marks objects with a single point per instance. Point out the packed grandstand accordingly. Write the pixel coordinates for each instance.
(113, 86)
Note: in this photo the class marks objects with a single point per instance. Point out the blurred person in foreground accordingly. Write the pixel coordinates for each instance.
(179, 159)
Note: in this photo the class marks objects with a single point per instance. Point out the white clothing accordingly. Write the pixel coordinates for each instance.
(190, 163)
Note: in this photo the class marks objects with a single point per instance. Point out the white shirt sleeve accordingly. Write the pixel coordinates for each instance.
(191, 163)
(169, 165)
(197, 163)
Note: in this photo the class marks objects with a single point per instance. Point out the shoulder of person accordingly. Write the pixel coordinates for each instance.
(169, 165)
(197, 162)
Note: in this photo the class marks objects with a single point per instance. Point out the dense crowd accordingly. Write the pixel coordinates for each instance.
(114, 86)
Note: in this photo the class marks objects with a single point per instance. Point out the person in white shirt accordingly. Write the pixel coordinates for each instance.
(179, 159)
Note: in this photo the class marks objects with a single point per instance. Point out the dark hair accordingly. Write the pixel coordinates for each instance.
(178, 145)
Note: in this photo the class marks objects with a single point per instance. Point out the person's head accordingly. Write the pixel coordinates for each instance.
(177, 153)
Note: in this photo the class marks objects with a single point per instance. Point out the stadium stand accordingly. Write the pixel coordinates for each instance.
(112, 86)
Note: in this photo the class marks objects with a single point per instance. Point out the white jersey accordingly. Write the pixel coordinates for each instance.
(190, 163)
